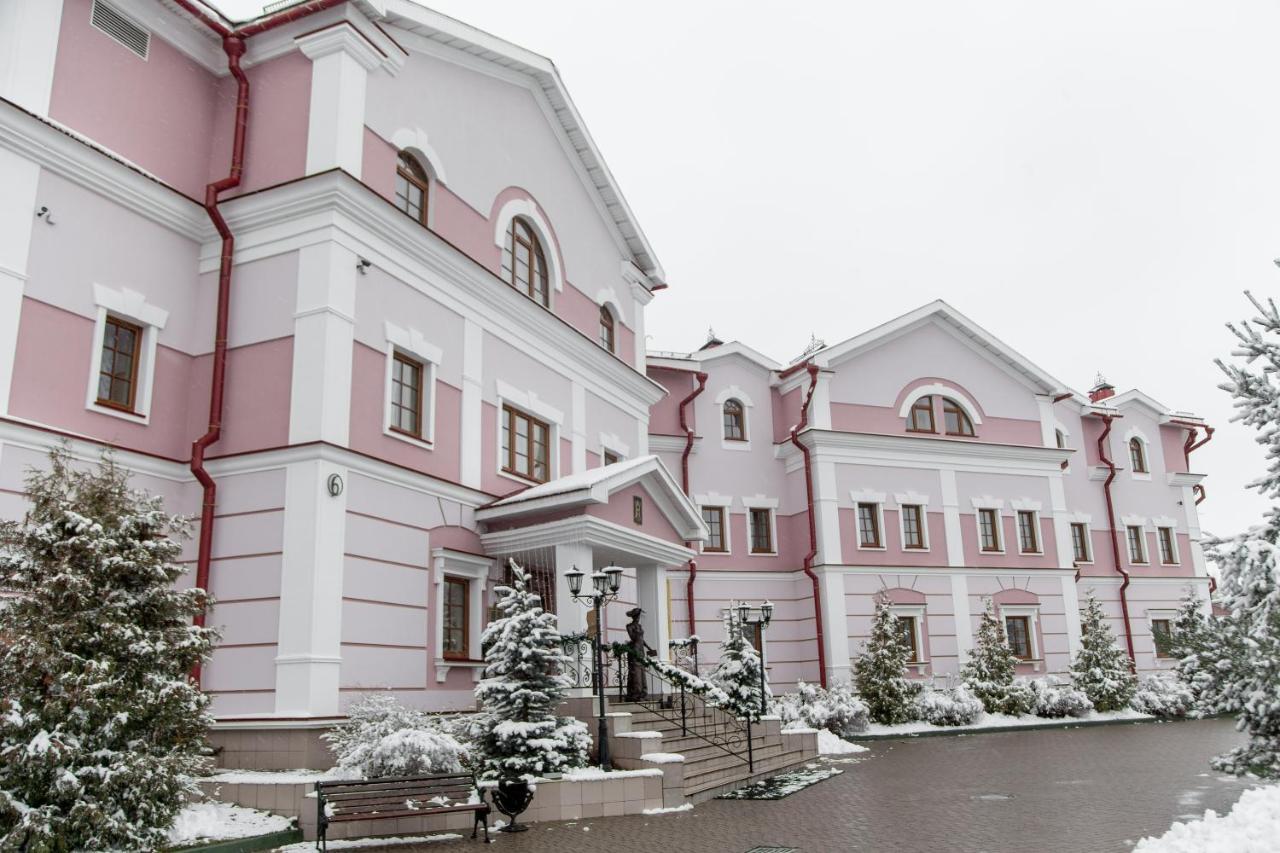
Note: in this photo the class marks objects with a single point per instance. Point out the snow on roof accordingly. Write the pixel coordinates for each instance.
(582, 481)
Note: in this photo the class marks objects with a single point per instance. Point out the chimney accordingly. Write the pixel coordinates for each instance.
(1101, 390)
(712, 340)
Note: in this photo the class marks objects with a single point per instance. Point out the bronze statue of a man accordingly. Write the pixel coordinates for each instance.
(637, 650)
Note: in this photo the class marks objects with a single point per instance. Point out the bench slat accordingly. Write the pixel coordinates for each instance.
(329, 784)
(403, 813)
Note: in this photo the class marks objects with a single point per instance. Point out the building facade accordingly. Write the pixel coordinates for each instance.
(352, 286)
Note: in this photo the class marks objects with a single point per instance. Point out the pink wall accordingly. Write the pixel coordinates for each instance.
(256, 405)
(378, 167)
(664, 417)
(1010, 558)
(279, 109)
(786, 411)
(1172, 441)
(618, 510)
(884, 420)
(893, 554)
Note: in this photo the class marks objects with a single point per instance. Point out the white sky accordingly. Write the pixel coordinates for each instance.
(1094, 182)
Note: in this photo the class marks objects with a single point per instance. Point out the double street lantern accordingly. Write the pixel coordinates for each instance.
(604, 588)
(744, 619)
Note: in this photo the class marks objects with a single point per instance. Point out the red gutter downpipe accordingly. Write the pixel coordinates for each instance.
(1115, 536)
(1191, 446)
(684, 483)
(813, 524)
(233, 45)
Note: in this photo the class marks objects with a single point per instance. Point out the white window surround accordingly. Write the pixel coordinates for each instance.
(605, 297)
(132, 306)
(1026, 504)
(760, 502)
(726, 527)
(1152, 616)
(911, 497)
(902, 525)
(939, 390)
(1081, 518)
(735, 393)
(528, 402)
(915, 611)
(1173, 541)
(414, 140)
(1165, 521)
(1035, 520)
(713, 499)
(1129, 521)
(476, 570)
(615, 445)
(410, 342)
(987, 502)
(527, 209)
(1032, 612)
(1133, 433)
(877, 499)
(1001, 548)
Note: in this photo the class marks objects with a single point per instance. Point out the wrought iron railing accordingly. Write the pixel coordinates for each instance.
(684, 654)
(675, 702)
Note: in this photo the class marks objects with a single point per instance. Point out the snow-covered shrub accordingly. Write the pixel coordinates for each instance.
(954, 707)
(1019, 699)
(738, 671)
(101, 726)
(836, 709)
(384, 738)
(880, 671)
(1163, 695)
(413, 752)
(522, 687)
(988, 673)
(1101, 668)
(1055, 700)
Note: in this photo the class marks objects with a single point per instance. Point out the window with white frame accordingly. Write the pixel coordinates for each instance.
(1138, 456)
(989, 533)
(1137, 539)
(1028, 532)
(528, 434)
(458, 609)
(1020, 631)
(910, 625)
(869, 525)
(717, 520)
(762, 530)
(1161, 623)
(1168, 545)
(913, 527)
(123, 360)
(409, 411)
(1081, 549)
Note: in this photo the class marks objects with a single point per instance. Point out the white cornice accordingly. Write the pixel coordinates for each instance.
(1185, 479)
(671, 443)
(333, 206)
(586, 530)
(913, 451)
(340, 38)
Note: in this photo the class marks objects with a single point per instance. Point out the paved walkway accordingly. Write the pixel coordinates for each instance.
(1086, 789)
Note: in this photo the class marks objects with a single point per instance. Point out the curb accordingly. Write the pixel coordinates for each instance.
(954, 731)
(270, 841)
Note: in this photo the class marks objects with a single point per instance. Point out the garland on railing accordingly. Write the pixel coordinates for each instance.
(695, 684)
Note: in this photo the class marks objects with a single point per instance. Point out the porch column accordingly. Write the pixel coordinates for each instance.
(572, 615)
(651, 584)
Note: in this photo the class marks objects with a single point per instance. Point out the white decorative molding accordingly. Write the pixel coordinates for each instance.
(1134, 521)
(714, 499)
(910, 451)
(591, 531)
(529, 402)
(340, 39)
(912, 498)
(133, 306)
(606, 296)
(414, 140)
(475, 569)
(341, 59)
(528, 210)
(987, 502)
(939, 390)
(1165, 521)
(611, 442)
(1026, 505)
(866, 496)
(759, 502)
(1081, 518)
(733, 391)
(671, 443)
(412, 343)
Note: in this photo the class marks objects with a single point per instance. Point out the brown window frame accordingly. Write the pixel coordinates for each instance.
(909, 623)
(420, 367)
(522, 236)
(872, 511)
(997, 535)
(408, 168)
(510, 416)
(922, 406)
(1008, 635)
(446, 613)
(1138, 456)
(753, 516)
(1138, 542)
(719, 513)
(1032, 527)
(608, 457)
(608, 329)
(916, 527)
(1162, 647)
(1165, 537)
(738, 423)
(131, 383)
(1060, 438)
(963, 422)
(1080, 542)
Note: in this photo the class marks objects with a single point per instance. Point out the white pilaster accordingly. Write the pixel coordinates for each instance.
(1048, 424)
(963, 619)
(1061, 522)
(309, 655)
(470, 443)
(578, 436)
(820, 405)
(323, 333)
(827, 514)
(835, 625)
(20, 178)
(571, 614)
(341, 59)
(651, 586)
(28, 51)
(951, 517)
(1071, 604)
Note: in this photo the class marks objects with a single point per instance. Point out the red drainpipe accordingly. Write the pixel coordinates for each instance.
(684, 483)
(234, 47)
(1115, 535)
(813, 524)
(1191, 446)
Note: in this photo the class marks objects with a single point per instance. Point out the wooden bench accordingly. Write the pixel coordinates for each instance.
(396, 797)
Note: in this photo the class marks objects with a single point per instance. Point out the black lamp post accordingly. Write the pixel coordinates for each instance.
(744, 619)
(604, 588)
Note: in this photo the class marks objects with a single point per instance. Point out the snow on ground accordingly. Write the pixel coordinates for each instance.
(375, 841)
(830, 743)
(278, 777)
(782, 785)
(595, 774)
(687, 807)
(218, 821)
(662, 757)
(1252, 826)
(993, 721)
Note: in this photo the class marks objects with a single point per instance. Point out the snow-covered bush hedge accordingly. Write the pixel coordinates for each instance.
(1101, 667)
(384, 738)
(880, 671)
(954, 707)
(1163, 695)
(1054, 699)
(989, 671)
(836, 709)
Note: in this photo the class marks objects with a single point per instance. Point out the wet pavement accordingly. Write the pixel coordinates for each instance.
(1085, 789)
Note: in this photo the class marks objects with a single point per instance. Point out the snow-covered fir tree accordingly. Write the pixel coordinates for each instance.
(1101, 668)
(101, 725)
(989, 671)
(522, 686)
(1247, 640)
(738, 671)
(880, 671)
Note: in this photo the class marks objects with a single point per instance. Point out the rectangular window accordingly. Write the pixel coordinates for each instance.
(761, 531)
(1028, 536)
(1137, 544)
(989, 529)
(406, 395)
(907, 630)
(714, 518)
(1080, 542)
(611, 458)
(1161, 635)
(526, 445)
(869, 525)
(1168, 555)
(456, 628)
(118, 372)
(913, 527)
(1018, 630)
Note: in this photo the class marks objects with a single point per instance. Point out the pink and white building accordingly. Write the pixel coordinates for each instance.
(434, 360)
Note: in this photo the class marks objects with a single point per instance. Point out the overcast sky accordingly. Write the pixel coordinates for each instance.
(1093, 182)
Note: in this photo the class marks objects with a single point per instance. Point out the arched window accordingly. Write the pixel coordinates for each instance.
(735, 425)
(528, 262)
(955, 419)
(411, 187)
(1137, 456)
(607, 337)
(921, 417)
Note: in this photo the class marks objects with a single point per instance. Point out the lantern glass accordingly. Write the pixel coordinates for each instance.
(574, 577)
(598, 581)
(744, 612)
(766, 611)
(615, 579)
